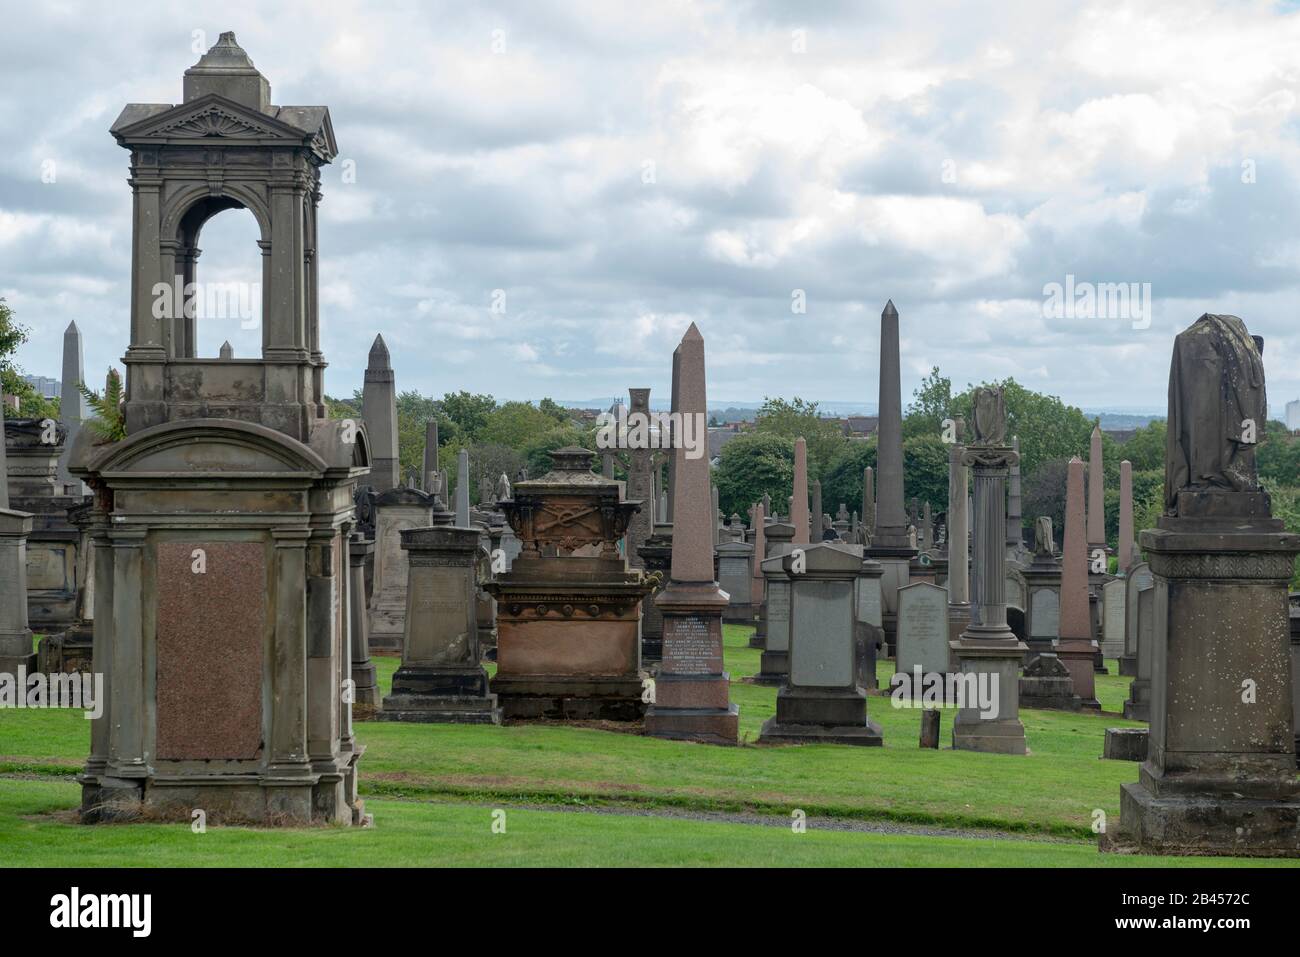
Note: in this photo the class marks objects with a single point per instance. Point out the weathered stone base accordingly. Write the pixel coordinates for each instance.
(777, 732)
(1003, 733)
(365, 686)
(1079, 655)
(759, 638)
(773, 668)
(828, 716)
(1128, 666)
(741, 613)
(384, 639)
(10, 664)
(441, 709)
(233, 799)
(583, 698)
(1049, 694)
(69, 653)
(1126, 744)
(1138, 705)
(705, 725)
(1216, 825)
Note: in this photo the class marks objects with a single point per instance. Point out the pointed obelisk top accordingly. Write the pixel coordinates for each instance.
(379, 354)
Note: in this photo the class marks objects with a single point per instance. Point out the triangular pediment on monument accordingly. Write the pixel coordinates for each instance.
(190, 448)
(213, 118)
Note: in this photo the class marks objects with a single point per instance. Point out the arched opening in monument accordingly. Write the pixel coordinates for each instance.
(218, 252)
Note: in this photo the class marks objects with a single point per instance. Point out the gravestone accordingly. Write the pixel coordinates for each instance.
(365, 682)
(1074, 644)
(396, 510)
(1139, 628)
(15, 526)
(736, 577)
(1112, 618)
(823, 699)
(922, 630)
(222, 519)
(441, 679)
(869, 614)
(757, 587)
(774, 663)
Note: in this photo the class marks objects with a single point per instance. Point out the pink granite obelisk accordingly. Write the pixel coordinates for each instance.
(1126, 552)
(1075, 646)
(799, 504)
(1096, 495)
(692, 693)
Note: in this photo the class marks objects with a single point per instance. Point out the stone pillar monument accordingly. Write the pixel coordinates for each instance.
(397, 509)
(1220, 773)
(868, 517)
(988, 651)
(958, 536)
(1127, 557)
(774, 663)
(72, 405)
(1075, 646)
(799, 497)
(462, 489)
(757, 589)
(379, 409)
(692, 692)
(640, 482)
(1015, 533)
(1096, 522)
(891, 545)
(818, 527)
(365, 683)
(430, 456)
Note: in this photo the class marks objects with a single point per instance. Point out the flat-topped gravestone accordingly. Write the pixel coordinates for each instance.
(1112, 618)
(396, 510)
(736, 578)
(1139, 609)
(922, 630)
(823, 699)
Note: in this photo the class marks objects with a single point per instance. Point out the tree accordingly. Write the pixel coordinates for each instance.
(1047, 427)
(1043, 493)
(515, 424)
(1278, 458)
(554, 410)
(797, 418)
(753, 465)
(931, 404)
(1146, 449)
(467, 412)
(31, 404)
(537, 453)
(925, 471)
(842, 482)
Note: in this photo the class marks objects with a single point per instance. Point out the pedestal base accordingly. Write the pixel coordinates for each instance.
(1126, 744)
(996, 729)
(706, 725)
(1046, 685)
(441, 709)
(1128, 666)
(1079, 657)
(578, 698)
(1138, 705)
(652, 648)
(825, 716)
(9, 665)
(1216, 825)
(365, 686)
(774, 668)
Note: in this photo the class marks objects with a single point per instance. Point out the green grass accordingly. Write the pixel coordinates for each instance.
(439, 769)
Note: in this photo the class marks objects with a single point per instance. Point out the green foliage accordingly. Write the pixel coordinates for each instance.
(1047, 427)
(551, 408)
(1146, 450)
(750, 466)
(468, 414)
(515, 424)
(925, 471)
(31, 404)
(109, 422)
(797, 418)
(537, 452)
(1278, 457)
(931, 404)
(842, 482)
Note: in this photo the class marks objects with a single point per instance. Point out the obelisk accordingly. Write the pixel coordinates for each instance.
(988, 652)
(462, 488)
(72, 405)
(1075, 646)
(379, 410)
(1096, 523)
(799, 497)
(691, 699)
(1127, 557)
(430, 454)
(890, 543)
(640, 479)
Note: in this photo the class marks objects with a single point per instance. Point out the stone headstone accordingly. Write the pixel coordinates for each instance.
(1075, 644)
(396, 510)
(922, 629)
(1112, 618)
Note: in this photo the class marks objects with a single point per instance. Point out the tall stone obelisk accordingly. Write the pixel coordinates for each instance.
(1096, 523)
(430, 456)
(72, 405)
(1127, 552)
(868, 518)
(890, 543)
(988, 652)
(379, 409)
(799, 497)
(1015, 533)
(1075, 646)
(462, 488)
(640, 479)
(692, 695)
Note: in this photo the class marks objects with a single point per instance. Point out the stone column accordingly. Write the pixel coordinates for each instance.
(1075, 646)
(1015, 536)
(640, 484)
(1126, 556)
(441, 679)
(756, 590)
(430, 454)
(1096, 523)
(799, 498)
(126, 734)
(868, 517)
(890, 542)
(365, 684)
(379, 409)
(691, 694)
(818, 528)
(72, 405)
(462, 489)
(288, 744)
(988, 652)
(715, 520)
(958, 537)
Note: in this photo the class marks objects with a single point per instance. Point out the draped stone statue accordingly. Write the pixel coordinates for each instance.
(1044, 543)
(1217, 410)
(990, 416)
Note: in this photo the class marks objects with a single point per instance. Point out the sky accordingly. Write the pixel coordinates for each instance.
(542, 196)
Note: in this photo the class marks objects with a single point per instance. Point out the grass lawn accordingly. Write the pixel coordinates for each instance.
(432, 788)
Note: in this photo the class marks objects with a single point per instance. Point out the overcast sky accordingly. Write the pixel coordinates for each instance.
(621, 169)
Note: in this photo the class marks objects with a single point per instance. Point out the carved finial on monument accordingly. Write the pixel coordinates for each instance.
(226, 351)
